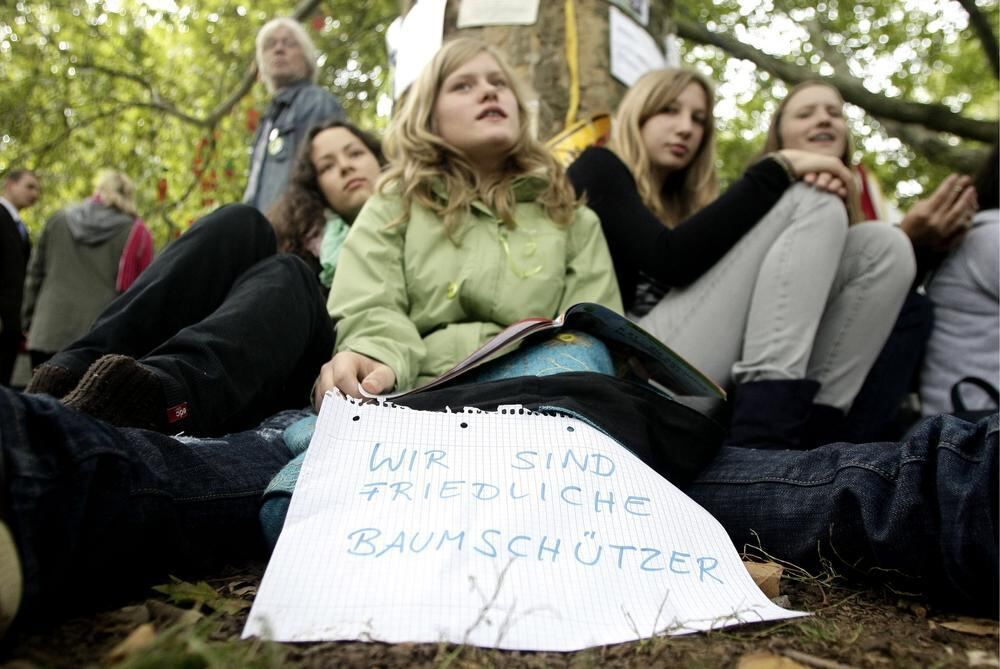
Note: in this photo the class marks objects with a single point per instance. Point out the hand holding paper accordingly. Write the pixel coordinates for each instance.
(355, 375)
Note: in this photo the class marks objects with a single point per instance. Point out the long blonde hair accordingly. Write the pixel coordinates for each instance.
(687, 190)
(419, 158)
(774, 143)
(115, 189)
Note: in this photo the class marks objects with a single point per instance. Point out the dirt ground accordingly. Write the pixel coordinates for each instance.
(198, 625)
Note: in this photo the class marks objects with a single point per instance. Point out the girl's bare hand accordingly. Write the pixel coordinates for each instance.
(824, 172)
(941, 220)
(349, 372)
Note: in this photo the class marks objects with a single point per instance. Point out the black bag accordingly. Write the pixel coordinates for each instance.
(672, 438)
(958, 404)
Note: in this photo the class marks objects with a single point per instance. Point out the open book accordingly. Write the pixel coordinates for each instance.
(638, 354)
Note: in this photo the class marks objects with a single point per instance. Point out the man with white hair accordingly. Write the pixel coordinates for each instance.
(286, 61)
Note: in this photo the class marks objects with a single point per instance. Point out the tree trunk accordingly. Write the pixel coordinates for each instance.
(538, 54)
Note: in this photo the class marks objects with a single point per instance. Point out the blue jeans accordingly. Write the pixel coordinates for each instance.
(921, 512)
(99, 512)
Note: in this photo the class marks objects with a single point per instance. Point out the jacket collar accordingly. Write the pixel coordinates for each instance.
(527, 188)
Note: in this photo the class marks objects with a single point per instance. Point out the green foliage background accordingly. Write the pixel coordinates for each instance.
(918, 50)
(86, 84)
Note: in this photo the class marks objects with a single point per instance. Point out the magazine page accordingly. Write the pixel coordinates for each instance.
(659, 362)
(503, 342)
(648, 358)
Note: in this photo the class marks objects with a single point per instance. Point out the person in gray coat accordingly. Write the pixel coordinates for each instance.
(74, 269)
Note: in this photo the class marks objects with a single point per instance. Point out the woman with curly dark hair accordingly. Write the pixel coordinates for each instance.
(229, 325)
(306, 214)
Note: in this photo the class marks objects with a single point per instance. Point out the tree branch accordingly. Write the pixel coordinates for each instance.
(918, 138)
(932, 116)
(984, 31)
(111, 72)
(928, 144)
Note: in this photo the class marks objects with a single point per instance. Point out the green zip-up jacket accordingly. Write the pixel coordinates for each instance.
(413, 299)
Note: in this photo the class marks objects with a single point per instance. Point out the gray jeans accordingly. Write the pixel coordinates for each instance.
(802, 295)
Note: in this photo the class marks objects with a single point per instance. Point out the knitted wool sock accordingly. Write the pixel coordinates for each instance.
(120, 391)
(53, 380)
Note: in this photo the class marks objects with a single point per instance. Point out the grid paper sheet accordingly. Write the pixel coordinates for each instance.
(509, 530)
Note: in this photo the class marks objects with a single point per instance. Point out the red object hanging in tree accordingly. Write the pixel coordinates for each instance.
(161, 189)
(229, 170)
(319, 22)
(253, 120)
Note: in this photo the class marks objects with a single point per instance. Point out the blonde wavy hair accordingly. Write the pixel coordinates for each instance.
(116, 190)
(774, 142)
(687, 190)
(419, 158)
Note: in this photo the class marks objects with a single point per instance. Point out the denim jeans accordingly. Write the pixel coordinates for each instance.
(921, 513)
(99, 512)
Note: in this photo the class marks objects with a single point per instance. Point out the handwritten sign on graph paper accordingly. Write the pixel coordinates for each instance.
(508, 530)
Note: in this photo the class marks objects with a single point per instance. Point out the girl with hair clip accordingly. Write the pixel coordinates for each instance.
(221, 332)
(474, 227)
(766, 288)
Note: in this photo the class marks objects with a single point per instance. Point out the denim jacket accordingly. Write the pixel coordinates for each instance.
(293, 111)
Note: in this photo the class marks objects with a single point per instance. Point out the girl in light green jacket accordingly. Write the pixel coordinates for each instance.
(475, 227)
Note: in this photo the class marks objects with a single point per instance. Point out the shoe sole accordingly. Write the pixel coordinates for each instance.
(11, 581)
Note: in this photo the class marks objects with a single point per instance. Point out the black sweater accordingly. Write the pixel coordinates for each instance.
(639, 242)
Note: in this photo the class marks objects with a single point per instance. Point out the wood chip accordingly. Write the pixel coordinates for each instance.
(764, 660)
(813, 661)
(767, 576)
(981, 658)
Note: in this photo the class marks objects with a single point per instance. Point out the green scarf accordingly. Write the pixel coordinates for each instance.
(334, 235)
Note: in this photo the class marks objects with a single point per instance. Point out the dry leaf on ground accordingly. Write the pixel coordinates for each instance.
(977, 626)
(141, 638)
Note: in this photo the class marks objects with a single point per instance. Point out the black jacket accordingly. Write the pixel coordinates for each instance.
(14, 252)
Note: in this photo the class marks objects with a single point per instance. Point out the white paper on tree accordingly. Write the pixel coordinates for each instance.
(638, 9)
(507, 530)
(473, 13)
(415, 41)
(633, 50)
